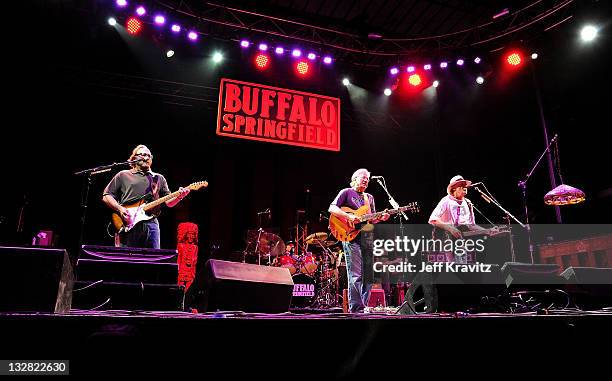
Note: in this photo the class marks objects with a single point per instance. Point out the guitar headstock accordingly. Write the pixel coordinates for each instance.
(198, 185)
(413, 207)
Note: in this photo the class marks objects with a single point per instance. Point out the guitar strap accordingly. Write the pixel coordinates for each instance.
(366, 200)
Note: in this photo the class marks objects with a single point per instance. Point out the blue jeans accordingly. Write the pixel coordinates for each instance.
(144, 234)
(358, 290)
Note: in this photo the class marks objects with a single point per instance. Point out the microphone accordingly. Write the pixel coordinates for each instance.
(486, 198)
(267, 211)
(474, 184)
(376, 177)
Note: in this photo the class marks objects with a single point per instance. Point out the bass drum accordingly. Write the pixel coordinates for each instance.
(304, 291)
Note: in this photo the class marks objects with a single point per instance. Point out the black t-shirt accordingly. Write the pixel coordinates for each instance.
(130, 186)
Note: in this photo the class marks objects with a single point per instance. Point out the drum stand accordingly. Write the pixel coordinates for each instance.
(327, 296)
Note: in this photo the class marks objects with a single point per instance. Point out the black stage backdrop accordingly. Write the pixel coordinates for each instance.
(83, 95)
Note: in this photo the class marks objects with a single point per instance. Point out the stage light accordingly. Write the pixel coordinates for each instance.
(217, 57)
(346, 82)
(514, 59)
(261, 61)
(312, 56)
(436, 83)
(443, 64)
(296, 53)
(244, 43)
(133, 25)
(302, 68)
(479, 80)
(588, 33)
(263, 47)
(387, 91)
(410, 69)
(140, 11)
(414, 79)
(176, 28)
(112, 21)
(279, 50)
(460, 62)
(427, 67)
(327, 60)
(394, 71)
(534, 56)
(169, 53)
(192, 36)
(121, 3)
(477, 60)
(160, 20)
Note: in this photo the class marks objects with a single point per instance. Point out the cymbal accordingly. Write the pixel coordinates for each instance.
(269, 244)
(316, 237)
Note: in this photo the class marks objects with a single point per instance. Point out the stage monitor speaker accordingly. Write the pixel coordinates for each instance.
(235, 286)
(452, 292)
(111, 277)
(531, 276)
(35, 280)
(590, 287)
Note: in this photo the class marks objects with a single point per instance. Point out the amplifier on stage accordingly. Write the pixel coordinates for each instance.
(127, 278)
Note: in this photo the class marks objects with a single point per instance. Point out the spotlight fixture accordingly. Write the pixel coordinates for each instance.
(534, 56)
(160, 20)
(588, 33)
(112, 21)
(261, 61)
(133, 25)
(460, 62)
(121, 3)
(263, 47)
(312, 56)
(410, 69)
(394, 71)
(141, 11)
(387, 91)
(427, 67)
(346, 82)
(479, 80)
(327, 60)
(302, 68)
(296, 53)
(169, 53)
(192, 36)
(443, 64)
(477, 60)
(436, 83)
(176, 28)
(244, 43)
(217, 57)
(414, 79)
(279, 50)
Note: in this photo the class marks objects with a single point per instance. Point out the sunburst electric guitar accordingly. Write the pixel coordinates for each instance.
(138, 210)
(341, 229)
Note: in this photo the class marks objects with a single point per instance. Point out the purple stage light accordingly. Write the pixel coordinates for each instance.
(160, 20)
(443, 65)
(140, 11)
(296, 53)
(192, 36)
(121, 3)
(460, 62)
(427, 67)
(263, 47)
(394, 71)
(176, 28)
(312, 56)
(477, 60)
(279, 50)
(410, 69)
(244, 43)
(327, 60)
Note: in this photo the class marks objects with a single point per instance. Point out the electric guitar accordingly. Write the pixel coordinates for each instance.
(138, 210)
(341, 229)
(467, 232)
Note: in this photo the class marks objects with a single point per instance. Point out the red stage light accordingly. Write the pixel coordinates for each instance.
(133, 25)
(414, 79)
(514, 59)
(302, 68)
(261, 61)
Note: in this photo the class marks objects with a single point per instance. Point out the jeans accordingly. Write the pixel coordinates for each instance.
(358, 290)
(144, 234)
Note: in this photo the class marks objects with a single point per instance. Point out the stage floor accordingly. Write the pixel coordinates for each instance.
(301, 345)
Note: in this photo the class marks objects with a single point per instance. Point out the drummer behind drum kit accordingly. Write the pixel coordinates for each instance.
(313, 263)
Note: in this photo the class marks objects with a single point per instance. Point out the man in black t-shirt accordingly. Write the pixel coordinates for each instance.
(354, 198)
(132, 185)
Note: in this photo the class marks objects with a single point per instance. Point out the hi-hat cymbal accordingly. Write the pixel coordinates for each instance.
(316, 237)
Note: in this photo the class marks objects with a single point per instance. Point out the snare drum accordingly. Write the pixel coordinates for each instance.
(288, 262)
(304, 291)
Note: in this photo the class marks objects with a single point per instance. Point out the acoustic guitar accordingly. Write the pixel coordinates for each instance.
(341, 229)
(138, 210)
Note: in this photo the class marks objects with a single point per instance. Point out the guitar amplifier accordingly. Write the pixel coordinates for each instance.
(128, 278)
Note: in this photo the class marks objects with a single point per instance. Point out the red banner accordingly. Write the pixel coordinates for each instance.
(277, 115)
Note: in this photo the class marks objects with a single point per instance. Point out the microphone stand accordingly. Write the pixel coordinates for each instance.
(87, 180)
(523, 185)
(509, 215)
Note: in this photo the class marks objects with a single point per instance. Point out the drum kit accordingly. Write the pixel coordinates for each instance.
(314, 261)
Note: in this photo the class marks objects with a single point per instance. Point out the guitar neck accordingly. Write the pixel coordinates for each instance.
(159, 201)
(367, 217)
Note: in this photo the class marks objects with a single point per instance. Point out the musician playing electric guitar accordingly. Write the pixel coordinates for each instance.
(133, 185)
(354, 198)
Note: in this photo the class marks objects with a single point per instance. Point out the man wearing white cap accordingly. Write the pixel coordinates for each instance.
(454, 209)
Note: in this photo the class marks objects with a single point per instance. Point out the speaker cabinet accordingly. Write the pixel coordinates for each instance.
(35, 280)
(234, 286)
